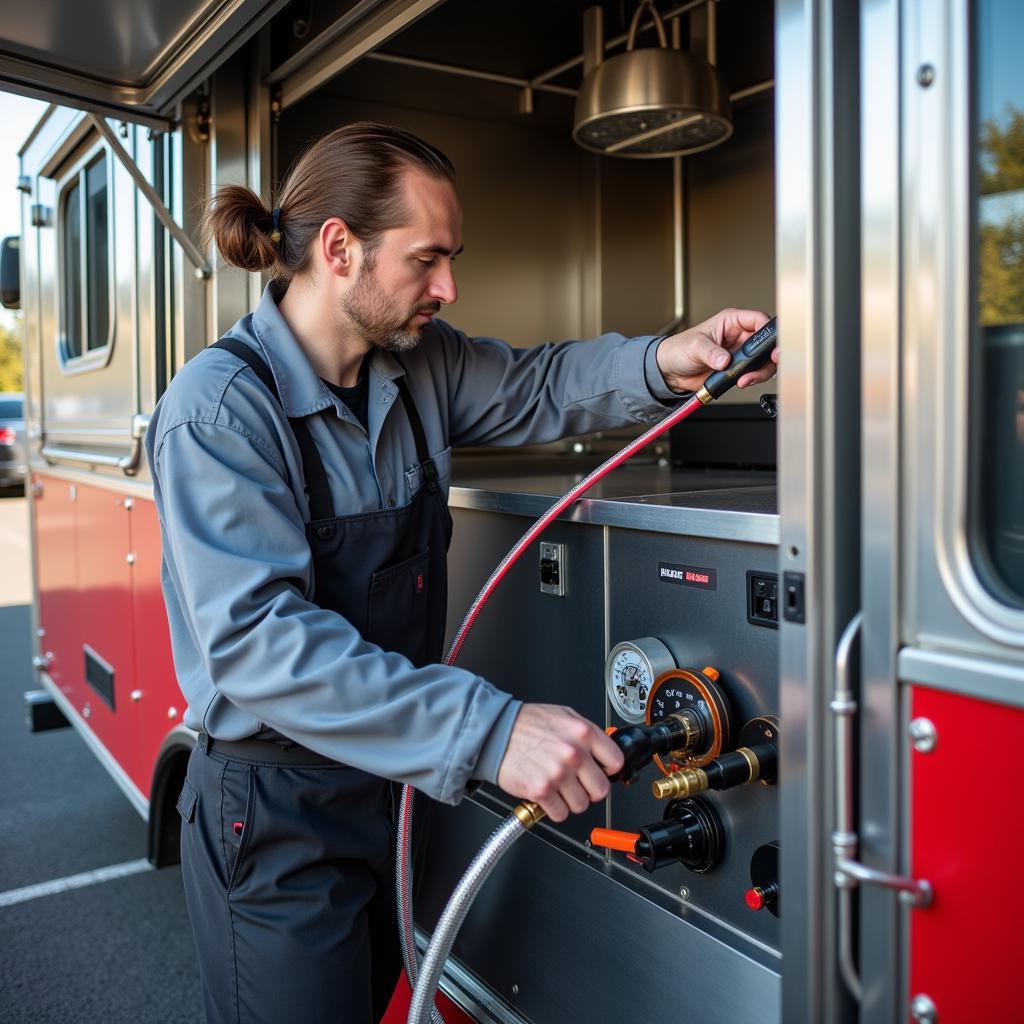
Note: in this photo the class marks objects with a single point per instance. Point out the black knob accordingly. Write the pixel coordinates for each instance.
(690, 834)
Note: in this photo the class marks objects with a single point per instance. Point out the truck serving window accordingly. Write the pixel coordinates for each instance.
(998, 342)
(86, 276)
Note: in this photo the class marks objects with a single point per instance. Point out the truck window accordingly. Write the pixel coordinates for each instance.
(998, 329)
(85, 261)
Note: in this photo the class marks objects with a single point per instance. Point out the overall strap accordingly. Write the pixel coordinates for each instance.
(317, 487)
(422, 452)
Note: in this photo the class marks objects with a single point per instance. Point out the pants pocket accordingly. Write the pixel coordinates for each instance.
(238, 806)
(187, 800)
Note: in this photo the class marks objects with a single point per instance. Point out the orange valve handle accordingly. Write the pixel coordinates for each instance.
(614, 840)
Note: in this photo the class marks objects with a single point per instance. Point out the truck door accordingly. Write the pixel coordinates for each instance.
(943, 384)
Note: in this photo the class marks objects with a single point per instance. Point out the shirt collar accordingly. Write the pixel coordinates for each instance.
(302, 392)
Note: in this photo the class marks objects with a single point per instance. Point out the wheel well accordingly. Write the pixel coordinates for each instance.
(164, 820)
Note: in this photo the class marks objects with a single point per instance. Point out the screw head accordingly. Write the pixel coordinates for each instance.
(925, 75)
(515, 989)
(924, 735)
(684, 893)
(923, 1010)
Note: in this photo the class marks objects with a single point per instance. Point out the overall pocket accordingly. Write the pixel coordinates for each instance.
(397, 616)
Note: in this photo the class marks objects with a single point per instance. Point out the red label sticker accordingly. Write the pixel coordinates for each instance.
(419, 584)
(688, 576)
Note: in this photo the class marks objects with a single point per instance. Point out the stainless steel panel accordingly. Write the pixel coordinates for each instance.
(730, 218)
(536, 646)
(947, 606)
(702, 628)
(89, 402)
(190, 178)
(229, 288)
(637, 498)
(546, 918)
(817, 229)
(881, 129)
(510, 286)
(1000, 682)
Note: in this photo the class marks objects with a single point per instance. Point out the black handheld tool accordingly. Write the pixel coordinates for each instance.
(752, 355)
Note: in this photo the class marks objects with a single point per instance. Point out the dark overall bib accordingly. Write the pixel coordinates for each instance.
(287, 856)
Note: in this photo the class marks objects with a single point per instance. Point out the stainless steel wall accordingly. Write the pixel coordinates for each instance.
(559, 244)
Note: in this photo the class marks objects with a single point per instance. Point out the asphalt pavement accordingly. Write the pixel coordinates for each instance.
(113, 949)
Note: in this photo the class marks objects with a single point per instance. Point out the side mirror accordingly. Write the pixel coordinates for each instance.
(10, 272)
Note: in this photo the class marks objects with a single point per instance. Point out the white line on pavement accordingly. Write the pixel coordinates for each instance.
(33, 892)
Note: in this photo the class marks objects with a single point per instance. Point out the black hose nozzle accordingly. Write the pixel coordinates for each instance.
(752, 355)
(640, 743)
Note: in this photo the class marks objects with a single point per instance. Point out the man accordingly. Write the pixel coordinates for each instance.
(301, 469)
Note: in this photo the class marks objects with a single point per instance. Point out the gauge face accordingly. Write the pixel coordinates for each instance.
(630, 673)
(684, 689)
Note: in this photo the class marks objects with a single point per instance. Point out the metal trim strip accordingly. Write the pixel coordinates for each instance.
(120, 484)
(1000, 682)
(716, 524)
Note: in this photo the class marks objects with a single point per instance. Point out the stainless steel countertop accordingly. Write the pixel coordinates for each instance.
(724, 504)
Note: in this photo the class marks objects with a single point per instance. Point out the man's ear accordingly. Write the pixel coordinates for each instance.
(337, 243)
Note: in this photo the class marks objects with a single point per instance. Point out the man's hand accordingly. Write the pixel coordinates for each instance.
(557, 759)
(686, 359)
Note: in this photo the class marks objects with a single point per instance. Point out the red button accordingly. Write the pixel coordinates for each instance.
(754, 899)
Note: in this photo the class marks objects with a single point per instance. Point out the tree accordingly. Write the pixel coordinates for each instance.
(10, 360)
(1001, 243)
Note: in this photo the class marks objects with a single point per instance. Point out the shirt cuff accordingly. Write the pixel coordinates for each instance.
(656, 382)
(493, 750)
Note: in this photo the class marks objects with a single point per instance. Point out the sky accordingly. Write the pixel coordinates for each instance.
(18, 116)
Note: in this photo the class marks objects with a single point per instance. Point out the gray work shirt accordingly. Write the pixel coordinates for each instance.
(251, 648)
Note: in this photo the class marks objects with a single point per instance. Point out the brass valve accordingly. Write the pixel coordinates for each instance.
(738, 768)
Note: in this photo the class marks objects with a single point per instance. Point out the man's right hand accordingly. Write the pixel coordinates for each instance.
(558, 759)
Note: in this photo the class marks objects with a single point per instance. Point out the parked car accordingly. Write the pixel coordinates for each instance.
(12, 440)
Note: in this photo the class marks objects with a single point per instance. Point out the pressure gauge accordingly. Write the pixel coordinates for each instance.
(630, 673)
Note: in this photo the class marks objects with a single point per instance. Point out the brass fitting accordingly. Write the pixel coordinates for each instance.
(528, 813)
(688, 782)
(692, 730)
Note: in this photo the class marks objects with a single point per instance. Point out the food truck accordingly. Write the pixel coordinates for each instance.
(842, 581)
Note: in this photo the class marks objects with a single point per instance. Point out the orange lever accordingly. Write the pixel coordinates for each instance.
(614, 840)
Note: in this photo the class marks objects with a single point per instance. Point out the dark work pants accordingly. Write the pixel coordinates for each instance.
(293, 910)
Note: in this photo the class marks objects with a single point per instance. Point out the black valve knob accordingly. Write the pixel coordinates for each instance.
(690, 834)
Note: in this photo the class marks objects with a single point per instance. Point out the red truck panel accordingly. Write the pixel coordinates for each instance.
(57, 576)
(966, 840)
(105, 614)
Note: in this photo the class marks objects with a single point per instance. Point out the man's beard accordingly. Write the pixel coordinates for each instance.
(378, 318)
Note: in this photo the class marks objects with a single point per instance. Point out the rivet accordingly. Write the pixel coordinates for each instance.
(136, 695)
(325, 532)
(129, 503)
(923, 1010)
(684, 893)
(515, 989)
(924, 735)
(87, 711)
(925, 75)
(130, 558)
(172, 713)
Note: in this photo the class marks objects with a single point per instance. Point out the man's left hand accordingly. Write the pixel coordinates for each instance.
(686, 359)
